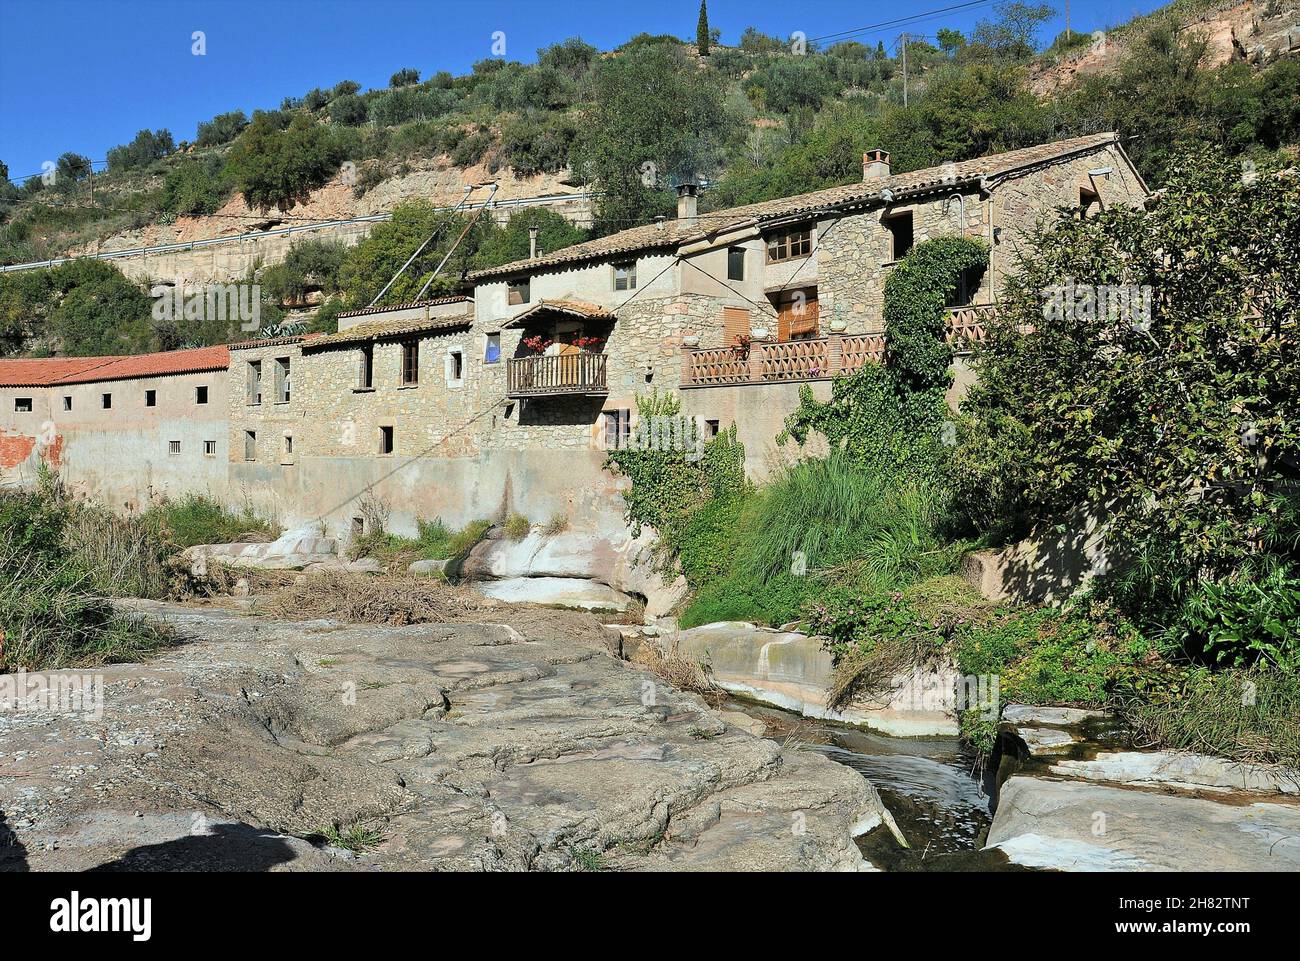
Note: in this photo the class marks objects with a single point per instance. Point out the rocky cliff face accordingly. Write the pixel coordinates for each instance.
(1257, 30)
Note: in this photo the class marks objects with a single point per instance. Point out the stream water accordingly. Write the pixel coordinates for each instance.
(930, 785)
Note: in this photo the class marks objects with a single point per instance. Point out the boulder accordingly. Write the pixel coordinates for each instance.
(557, 591)
(1076, 826)
(791, 670)
(364, 565)
(425, 567)
(293, 550)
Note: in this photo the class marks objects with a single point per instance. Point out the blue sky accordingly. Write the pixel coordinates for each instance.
(85, 75)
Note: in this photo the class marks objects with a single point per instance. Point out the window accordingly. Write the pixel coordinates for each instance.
(23, 405)
(710, 429)
(250, 445)
(67, 402)
(618, 428)
(519, 291)
(735, 263)
(151, 398)
(254, 382)
(455, 367)
(173, 447)
(200, 395)
(797, 314)
(282, 380)
(106, 401)
(385, 440)
(492, 354)
(625, 275)
(411, 362)
(288, 443)
(789, 244)
(366, 367)
(900, 235)
(735, 325)
(1089, 202)
(209, 448)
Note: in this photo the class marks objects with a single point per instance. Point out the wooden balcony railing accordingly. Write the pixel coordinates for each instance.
(557, 375)
(820, 359)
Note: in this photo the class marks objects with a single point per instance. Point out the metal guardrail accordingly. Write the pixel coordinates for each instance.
(544, 200)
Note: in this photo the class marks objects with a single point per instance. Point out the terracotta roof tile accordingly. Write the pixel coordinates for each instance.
(83, 370)
(415, 303)
(671, 233)
(574, 308)
(386, 330)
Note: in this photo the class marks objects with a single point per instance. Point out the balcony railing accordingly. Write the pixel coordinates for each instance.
(821, 359)
(557, 375)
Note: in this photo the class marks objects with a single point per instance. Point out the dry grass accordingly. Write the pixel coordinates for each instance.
(222, 578)
(867, 675)
(681, 672)
(394, 599)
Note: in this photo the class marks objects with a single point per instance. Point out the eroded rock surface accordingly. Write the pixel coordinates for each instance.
(472, 746)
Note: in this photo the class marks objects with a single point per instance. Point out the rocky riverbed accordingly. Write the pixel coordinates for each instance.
(521, 744)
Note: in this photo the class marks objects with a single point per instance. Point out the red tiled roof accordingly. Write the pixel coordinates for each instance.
(52, 371)
(415, 303)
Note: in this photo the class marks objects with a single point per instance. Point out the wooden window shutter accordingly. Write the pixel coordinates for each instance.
(735, 324)
(804, 321)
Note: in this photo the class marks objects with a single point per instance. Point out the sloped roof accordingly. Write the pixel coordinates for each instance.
(572, 308)
(387, 330)
(56, 371)
(413, 304)
(671, 233)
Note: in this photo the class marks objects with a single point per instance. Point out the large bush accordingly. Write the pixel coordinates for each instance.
(279, 168)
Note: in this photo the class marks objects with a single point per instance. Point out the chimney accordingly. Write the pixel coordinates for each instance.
(686, 197)
(532, 243)
(875, 165)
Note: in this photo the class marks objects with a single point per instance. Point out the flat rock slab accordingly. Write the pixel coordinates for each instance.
(1077, 826)
(559, 591)
(1197, 772)
(469, 746)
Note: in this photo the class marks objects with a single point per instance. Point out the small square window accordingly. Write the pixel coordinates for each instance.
(789, 245)
(200, 395)
(173, 447)
(67, 402)
(106, 401)
(625, 275)
(710, 429)
(455, 367)
(209, 448)
(385, 440)
(23, 405)
(492, 354)
(519, 291)
(151, 398)
(735, 263)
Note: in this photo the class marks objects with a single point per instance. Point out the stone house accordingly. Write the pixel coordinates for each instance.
(505, 400)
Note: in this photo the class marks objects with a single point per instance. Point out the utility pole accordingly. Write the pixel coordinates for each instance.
(904, 69)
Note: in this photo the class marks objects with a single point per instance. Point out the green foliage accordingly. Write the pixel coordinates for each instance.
(198, 519)
(142, 151)
(279, 168)
(221, 129)
(404, 77)
(532, 145)
(196, 187)
(652, 106)
(1241, 621)
(71, 168)
(510, 243)
(702, 30)
(349, 110)
(50, 613)
(673, 478)
(91, 309)
(1187, 431)
(516, 527)
(372, 262)
(310, 265)
(890, 418)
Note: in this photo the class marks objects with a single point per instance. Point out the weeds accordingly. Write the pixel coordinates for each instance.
(356, 838)
(516, 527)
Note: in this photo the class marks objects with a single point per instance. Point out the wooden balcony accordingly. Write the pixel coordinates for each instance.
(820, 359)
(559, 375)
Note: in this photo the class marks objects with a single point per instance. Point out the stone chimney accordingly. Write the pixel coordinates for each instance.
(875, 165)
(532, 243)
(686, 203)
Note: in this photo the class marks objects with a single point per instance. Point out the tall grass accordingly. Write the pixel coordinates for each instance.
(198, 519)
(817, 523)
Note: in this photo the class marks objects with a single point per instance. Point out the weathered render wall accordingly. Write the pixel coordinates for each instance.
(122, 455)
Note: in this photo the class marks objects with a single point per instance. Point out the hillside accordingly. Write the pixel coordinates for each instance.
(756, 120)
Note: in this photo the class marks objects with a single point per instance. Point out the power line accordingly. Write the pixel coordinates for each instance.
(901, 21)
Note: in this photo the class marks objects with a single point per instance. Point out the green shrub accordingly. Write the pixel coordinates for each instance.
(516, 527)
(198, 519)
(1242, 621)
